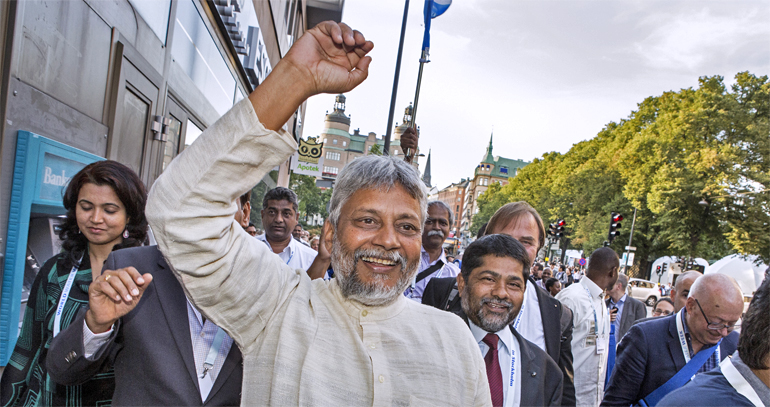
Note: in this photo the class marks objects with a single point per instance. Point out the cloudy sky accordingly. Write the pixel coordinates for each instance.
(541, 74)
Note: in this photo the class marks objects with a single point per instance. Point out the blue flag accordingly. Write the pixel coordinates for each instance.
(433, 9)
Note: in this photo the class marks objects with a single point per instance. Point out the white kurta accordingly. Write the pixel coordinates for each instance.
(302, 342)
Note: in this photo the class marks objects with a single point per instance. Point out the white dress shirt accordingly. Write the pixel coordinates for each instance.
(590, 367)
(303, 342)
(531, 325)
(447, 270)
(201, 335)
(296, 255)
(507, 342)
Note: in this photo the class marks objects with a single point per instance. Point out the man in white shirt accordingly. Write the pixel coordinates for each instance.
(280, 218)
(591, 335)
(353, 340)
(491, 288)
(433, 261)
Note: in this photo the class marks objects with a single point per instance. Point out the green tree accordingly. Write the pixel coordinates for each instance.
(694, 163)
(312, 199)
(376, 149)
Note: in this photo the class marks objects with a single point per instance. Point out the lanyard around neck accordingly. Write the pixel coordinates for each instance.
(65, 294)
(683, 338)
(213, 351)
(596, 321)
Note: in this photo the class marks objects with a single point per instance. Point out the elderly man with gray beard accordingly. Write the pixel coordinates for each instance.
(376, 346)
(433, 262)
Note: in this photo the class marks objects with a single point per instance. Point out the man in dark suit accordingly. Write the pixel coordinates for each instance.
(150, 343)
(652, 352)
(629, 309)
(491, 284)
(544, 321)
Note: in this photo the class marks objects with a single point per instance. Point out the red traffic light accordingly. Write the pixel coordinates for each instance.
(561, 222)
(616, 217)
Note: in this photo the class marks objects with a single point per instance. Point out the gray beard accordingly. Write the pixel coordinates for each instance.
(489, 324)
(372, 294)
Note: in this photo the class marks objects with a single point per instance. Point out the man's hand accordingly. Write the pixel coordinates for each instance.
(330, 58)
(613, 314)
(114, 294)
(323, 258)
(409, 140)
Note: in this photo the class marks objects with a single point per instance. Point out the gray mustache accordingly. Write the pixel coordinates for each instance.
(435, 233)
(496, 302)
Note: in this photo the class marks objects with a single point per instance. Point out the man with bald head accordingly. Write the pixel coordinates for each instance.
(652, 352)
(681, 288)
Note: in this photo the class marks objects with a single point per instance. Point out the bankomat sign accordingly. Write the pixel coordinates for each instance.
(57, 172)
(41, 170)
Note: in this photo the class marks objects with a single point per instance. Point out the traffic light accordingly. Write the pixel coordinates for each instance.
(658, 270)
(560, 224)
(552, 230)
(615, 219)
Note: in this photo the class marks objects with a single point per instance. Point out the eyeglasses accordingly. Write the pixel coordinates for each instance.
(716, 326)
(658, 312)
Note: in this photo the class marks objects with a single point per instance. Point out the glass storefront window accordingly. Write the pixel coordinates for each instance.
(155, 14)
(197, 54)
(192, 133)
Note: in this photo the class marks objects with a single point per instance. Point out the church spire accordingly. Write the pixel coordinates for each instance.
(488, 157)
(426, 174)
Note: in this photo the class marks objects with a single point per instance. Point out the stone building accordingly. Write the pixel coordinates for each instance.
(341, 146)
(454, 197)
(491, 169)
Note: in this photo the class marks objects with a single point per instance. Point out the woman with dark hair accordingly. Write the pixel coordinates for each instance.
(105, 211)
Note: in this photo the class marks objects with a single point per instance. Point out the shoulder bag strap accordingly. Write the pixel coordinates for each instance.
(428, 271)
(680, 378)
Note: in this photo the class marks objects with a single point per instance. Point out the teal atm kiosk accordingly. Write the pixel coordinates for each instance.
(42, 169)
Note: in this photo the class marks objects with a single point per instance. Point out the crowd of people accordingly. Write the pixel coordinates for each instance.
(371, 311)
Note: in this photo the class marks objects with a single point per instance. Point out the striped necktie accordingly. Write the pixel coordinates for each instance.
(494, 374)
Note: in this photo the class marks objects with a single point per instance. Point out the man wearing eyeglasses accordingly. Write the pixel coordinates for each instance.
(663, 354)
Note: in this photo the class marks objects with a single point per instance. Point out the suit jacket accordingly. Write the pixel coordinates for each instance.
(541, 379)
(633, 310)
(150, 348)
(648, 356)
(558, 336)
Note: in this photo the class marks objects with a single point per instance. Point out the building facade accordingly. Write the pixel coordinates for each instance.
(491, 169)
(134, 81)
(341, 147)
(454, 197)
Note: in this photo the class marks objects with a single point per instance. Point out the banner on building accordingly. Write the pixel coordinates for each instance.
(307, 160)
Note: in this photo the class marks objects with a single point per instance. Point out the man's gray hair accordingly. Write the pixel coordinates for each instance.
(444, 206)
(376, 172)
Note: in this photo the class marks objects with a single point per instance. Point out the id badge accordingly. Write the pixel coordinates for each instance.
(590, 340)
(600, 346)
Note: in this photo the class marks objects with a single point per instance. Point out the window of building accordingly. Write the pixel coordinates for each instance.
(325, 140)
(334, 141)
(331, 155)
(344, 143)
(330, 170)
(503, 170)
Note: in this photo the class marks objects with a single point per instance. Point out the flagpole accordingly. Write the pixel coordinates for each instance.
(409, 155)
(395, 81)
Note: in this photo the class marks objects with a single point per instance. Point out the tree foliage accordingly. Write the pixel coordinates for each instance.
(312, 200)
(694, 163)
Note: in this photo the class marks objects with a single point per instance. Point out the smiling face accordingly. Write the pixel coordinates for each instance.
(494, 292)
(376, 244)
(100, 214)
(279, 219)
(525, 230)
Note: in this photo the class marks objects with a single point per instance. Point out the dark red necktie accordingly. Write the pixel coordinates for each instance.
(494, 375)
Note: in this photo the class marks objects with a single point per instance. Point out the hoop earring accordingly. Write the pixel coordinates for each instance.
(125, 234)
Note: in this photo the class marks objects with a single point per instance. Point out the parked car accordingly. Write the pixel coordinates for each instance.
(643, 290)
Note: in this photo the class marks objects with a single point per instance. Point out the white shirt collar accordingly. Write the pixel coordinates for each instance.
(592, 287)
(291, 247)
(426, 255)
(505, 335)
